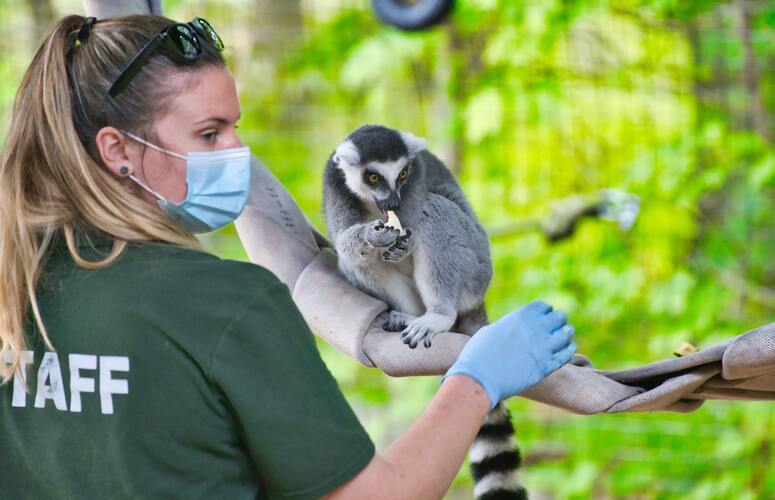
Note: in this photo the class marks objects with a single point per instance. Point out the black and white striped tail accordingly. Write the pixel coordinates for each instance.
(495, 459)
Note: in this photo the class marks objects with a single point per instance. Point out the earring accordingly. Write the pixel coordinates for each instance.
(124, 170)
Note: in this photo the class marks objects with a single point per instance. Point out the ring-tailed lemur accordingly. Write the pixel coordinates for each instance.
(434, 277)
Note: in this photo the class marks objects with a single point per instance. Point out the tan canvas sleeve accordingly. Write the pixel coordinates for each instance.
(104, 9)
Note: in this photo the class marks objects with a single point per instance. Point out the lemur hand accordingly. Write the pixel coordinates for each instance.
(379, 235)
(399, 249)
(517, 351)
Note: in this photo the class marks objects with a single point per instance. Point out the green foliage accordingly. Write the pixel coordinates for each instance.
(534, 101)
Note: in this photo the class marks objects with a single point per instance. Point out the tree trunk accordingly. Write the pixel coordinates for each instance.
(278, 26)
(42, 15)
(758, 119)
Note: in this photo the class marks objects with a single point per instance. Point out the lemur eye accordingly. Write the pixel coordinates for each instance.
(373, 178)
(403, 174)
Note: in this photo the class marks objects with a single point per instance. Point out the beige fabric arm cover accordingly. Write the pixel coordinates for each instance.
(279, 237)
(103, 9)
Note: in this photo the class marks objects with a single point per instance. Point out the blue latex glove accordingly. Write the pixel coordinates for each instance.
(517, 351)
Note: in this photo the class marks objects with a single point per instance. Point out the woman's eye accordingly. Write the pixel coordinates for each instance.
(209, 136)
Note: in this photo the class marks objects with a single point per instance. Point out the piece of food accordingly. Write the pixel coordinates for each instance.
(393, 222)
(683, 349)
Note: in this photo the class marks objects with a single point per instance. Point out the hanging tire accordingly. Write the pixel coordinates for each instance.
(411, 16)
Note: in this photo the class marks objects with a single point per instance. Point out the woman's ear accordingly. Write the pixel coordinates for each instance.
(113, 145)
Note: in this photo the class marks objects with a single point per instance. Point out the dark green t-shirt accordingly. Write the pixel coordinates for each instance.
(176, 375)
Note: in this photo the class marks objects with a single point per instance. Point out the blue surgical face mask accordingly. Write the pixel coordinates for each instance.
(218, 187)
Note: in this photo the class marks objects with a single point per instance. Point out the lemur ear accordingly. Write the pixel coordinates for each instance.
(346, 152)
(413, 143)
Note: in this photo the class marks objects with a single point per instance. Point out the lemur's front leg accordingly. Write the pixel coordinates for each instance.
(438, 284)
(396, 321)
(365, 242)
(360, 247)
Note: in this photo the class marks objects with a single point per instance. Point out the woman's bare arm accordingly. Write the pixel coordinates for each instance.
(423, 462)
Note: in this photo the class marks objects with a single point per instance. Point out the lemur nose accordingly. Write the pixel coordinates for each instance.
(392, 202)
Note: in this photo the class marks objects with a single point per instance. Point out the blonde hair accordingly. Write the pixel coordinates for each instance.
(52, 179)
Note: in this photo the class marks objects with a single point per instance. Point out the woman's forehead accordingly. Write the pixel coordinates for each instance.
(207, 93)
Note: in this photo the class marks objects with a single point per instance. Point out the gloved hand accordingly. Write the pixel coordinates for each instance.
(517, 351)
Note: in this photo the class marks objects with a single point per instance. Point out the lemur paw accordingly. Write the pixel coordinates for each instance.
(425, 328)
(399, 249)
(380, 235)
(397, 321)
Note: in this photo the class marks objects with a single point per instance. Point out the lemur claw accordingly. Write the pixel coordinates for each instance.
(397, 321)
(399, 249)
(380, 235)
(424, 328)
(413, 335)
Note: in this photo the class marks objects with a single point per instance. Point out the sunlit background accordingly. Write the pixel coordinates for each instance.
(530, 103)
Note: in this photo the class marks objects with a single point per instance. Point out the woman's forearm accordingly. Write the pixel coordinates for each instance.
(429, 455)
(423, 462)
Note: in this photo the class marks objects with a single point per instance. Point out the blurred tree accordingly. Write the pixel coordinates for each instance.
(42, 14)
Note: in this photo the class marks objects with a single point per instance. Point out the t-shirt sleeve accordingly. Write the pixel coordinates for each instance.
(301, 433)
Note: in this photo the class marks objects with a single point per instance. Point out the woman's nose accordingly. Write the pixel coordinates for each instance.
(233, 142)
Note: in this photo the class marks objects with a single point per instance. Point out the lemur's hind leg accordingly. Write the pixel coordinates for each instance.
(397, 321)
(471, 321)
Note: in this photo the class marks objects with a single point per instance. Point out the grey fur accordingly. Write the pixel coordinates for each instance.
(435, 277)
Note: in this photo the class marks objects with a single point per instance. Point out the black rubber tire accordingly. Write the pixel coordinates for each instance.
(412, 17)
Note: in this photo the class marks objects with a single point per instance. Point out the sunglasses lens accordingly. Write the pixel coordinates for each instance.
(185, 40)
(208, 30)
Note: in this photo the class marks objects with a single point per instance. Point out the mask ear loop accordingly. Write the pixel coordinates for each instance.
(147, 188)
(157, 148)
(153, 146)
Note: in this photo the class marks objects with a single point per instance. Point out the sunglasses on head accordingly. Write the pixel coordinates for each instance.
(182, 37)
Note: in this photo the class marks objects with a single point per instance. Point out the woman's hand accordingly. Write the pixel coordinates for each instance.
(517, 351)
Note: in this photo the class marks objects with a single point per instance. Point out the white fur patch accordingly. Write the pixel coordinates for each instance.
(401, 291)
(354, 181)
(348, 153)
(498, 415)
(413, 143)
(497, 480)
(389, 170)
(483, 448)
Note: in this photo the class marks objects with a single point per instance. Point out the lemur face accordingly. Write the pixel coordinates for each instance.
(377, 182)
(376, 162)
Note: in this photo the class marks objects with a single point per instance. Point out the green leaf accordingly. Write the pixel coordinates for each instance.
(484, 115)
(763, 173)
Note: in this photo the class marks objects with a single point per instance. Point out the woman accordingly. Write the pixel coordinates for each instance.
(136, 364)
